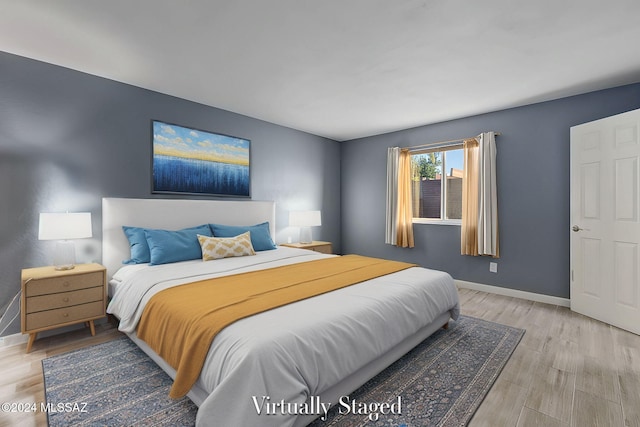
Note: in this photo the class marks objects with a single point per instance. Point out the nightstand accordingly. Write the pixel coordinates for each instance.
(322, 247)
(52, 298)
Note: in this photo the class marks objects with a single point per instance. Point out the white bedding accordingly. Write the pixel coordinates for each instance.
(297, 351)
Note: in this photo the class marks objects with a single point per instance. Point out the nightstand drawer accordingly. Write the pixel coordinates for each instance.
(64, 299)
(64, 315)
(325, 249)
(52, 285)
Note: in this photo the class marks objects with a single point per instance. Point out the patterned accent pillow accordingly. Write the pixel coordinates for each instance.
(225, 247)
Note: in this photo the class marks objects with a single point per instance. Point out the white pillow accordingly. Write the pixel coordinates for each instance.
(225, 247)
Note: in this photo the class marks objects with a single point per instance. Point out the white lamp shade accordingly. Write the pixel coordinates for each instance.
(304, 218)
(64, 226)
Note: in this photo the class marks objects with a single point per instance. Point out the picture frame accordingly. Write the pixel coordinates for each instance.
(193, 161)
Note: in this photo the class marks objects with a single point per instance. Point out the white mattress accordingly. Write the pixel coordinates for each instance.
(299, 350)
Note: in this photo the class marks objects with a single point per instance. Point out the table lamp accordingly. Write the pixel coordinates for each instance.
(305, 220)
(64, 227)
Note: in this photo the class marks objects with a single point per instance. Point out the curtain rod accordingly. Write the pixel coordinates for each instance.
(432, 144)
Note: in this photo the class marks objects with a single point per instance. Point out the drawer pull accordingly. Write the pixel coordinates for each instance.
(65, 299)
(66, 284)
(65, 315)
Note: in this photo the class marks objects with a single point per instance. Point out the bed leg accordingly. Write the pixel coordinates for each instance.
(445, 326)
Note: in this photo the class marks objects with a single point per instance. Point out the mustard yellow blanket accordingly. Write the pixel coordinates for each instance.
(180, 323)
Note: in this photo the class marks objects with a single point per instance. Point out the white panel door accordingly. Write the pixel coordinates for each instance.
(605, 226)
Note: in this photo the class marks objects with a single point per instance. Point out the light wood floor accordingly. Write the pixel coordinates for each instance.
(568, 370)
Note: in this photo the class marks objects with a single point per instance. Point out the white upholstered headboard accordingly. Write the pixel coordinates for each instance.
(172, 214)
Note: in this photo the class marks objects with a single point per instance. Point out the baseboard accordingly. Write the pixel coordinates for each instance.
(19, 338)
(531, 296)
(15, 339)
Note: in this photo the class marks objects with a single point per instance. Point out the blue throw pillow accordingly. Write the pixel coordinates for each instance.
(260, 235)
(138, 245)
(173, 246)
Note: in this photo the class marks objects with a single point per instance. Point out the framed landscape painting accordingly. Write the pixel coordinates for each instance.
(193, 161)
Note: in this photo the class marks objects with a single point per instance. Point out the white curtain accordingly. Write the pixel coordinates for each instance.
(393, 158)
(488, 196)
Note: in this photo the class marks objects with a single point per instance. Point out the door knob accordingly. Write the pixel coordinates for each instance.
(577, 228)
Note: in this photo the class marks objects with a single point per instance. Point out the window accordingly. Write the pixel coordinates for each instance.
(435, 198)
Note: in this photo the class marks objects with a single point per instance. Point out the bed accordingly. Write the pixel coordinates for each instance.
(317, 349)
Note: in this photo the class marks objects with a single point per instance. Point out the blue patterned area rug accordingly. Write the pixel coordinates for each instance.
(114, 384)
(441, 382)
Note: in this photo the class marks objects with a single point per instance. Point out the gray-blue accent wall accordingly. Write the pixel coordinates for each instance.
(67, 139)
(533, 192)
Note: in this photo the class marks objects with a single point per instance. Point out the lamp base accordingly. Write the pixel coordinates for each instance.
(305, 235)
(65, 255)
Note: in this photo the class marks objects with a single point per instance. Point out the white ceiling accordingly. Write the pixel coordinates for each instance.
(339, 68)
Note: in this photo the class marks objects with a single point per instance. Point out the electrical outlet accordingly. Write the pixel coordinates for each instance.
(493, 267)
